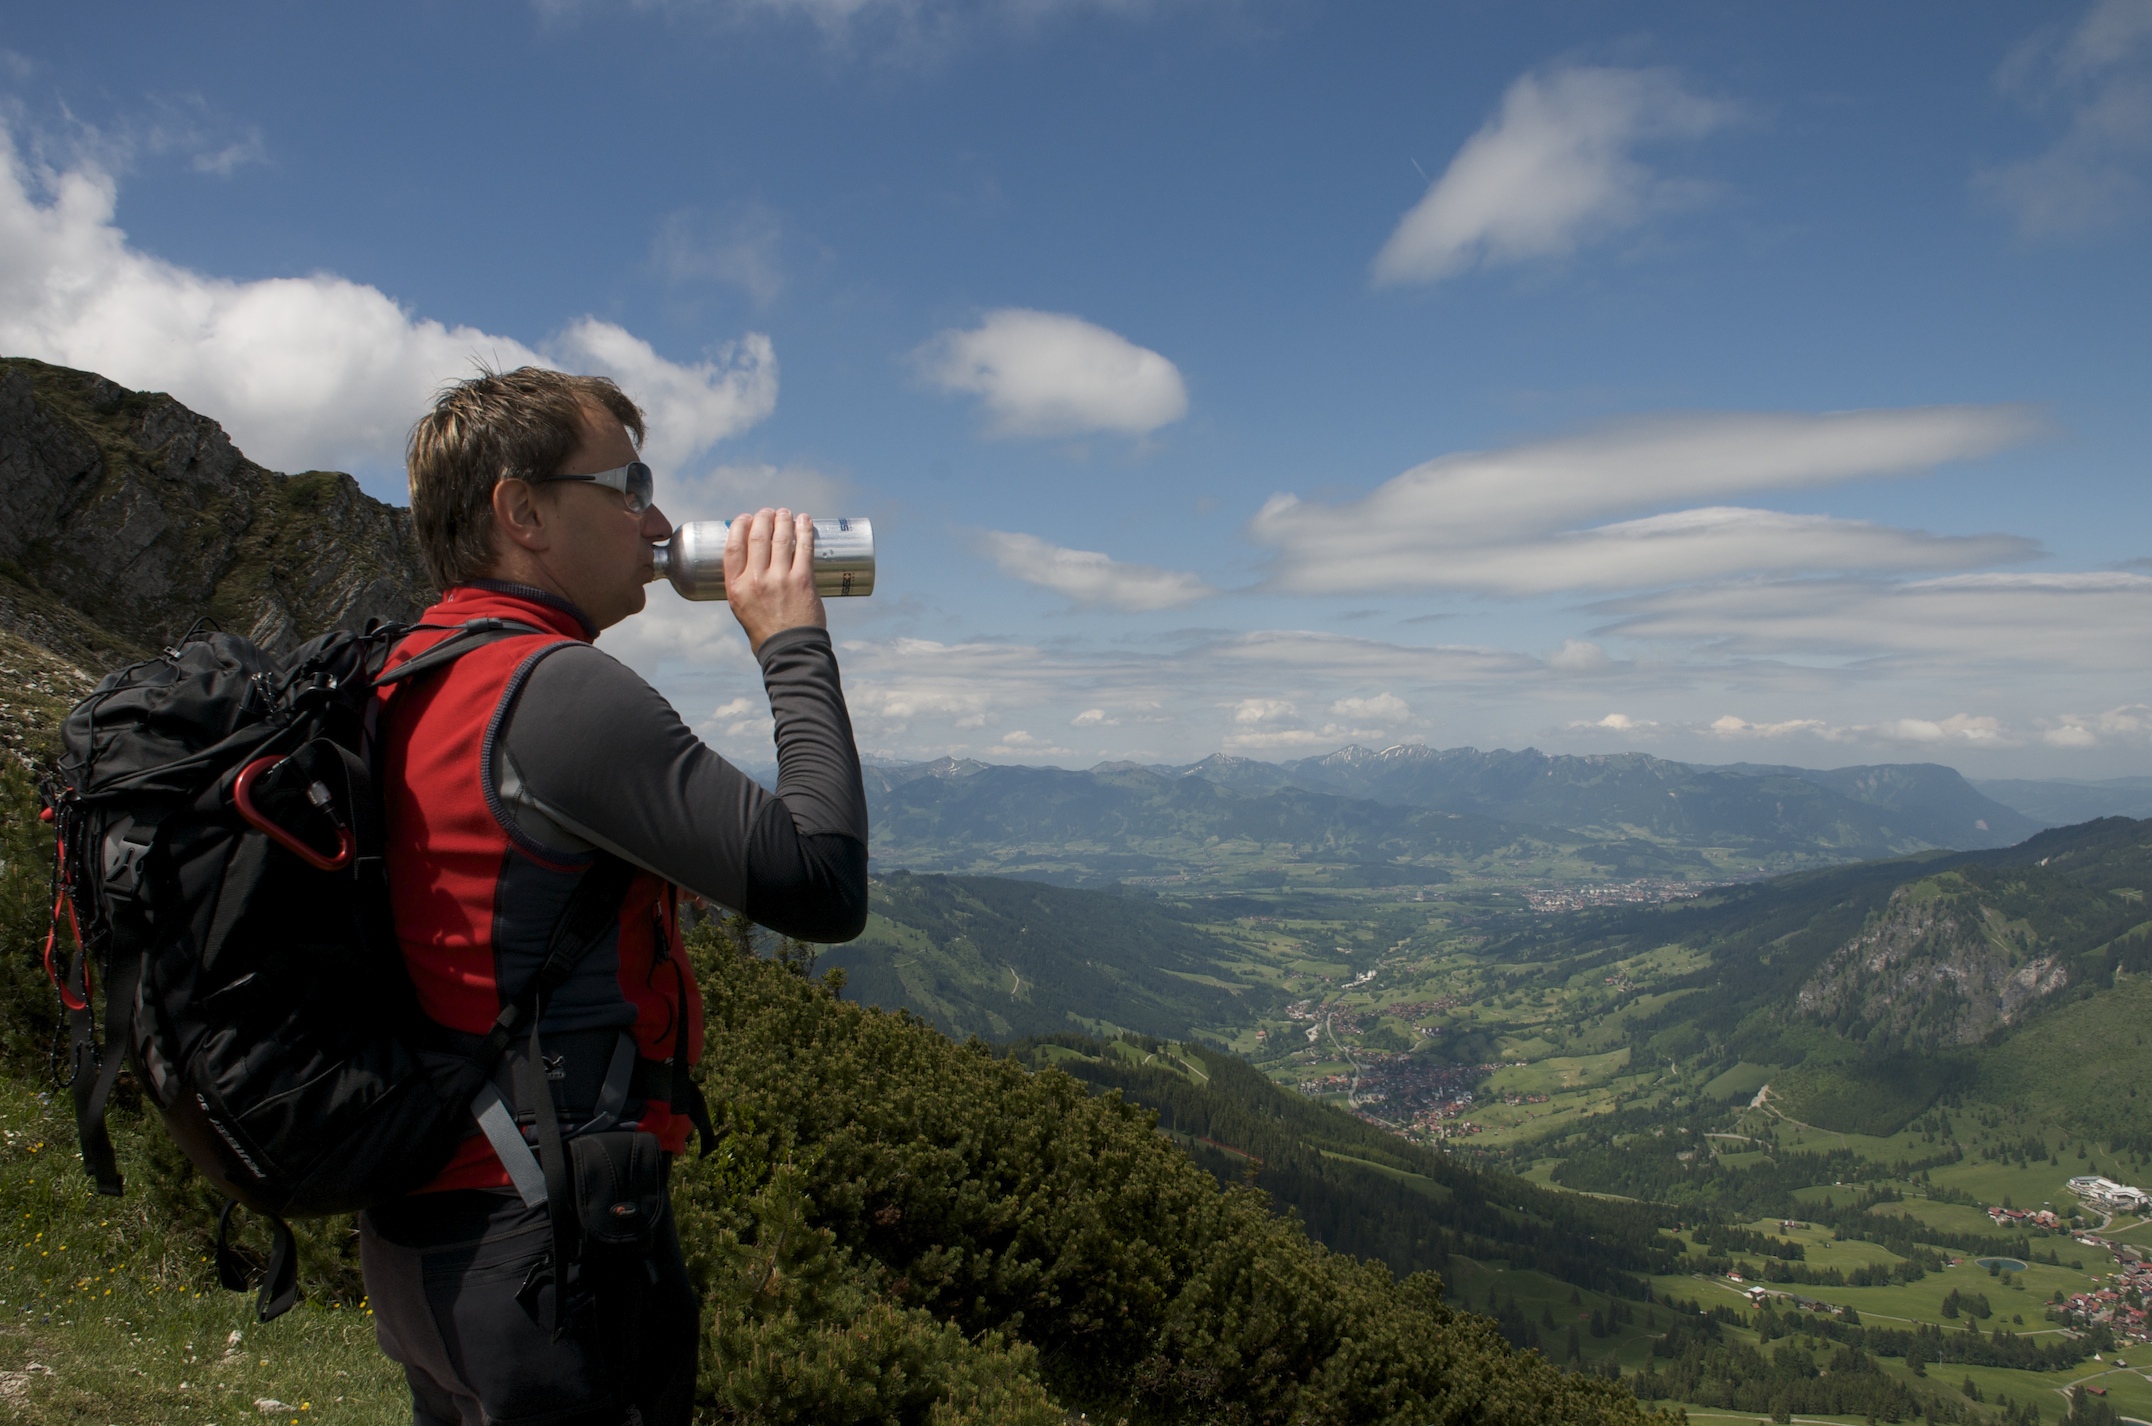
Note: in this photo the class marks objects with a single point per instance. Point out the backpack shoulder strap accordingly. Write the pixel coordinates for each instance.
(544, 1178)
(474, 635)
(591, 911)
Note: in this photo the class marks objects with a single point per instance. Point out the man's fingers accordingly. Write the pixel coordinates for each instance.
(736, 545)
(758, 539)
(781, 542)
(769, 573)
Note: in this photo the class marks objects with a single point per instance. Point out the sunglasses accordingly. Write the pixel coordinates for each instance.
(633, 481)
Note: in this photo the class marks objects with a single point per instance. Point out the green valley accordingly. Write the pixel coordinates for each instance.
(1829, 1108)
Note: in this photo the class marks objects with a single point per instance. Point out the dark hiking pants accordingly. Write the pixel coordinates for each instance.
(462, 1298)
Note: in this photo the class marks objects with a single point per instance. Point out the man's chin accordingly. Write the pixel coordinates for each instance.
(631, 603)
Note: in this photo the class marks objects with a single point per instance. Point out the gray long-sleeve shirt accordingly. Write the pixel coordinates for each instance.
(592, 756)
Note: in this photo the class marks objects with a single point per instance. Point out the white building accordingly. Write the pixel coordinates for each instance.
(2106, 1193)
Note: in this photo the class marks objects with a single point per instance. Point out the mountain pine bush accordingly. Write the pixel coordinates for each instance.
(896, 1227)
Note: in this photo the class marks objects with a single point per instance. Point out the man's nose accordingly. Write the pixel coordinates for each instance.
(655, 527)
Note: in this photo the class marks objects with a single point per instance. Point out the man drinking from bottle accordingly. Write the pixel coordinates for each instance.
(530, 779)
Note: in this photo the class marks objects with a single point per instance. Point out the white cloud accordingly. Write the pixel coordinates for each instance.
(211, 143)
(917, 697)
(1017, 742)
(163, 126)
(1580, 656)
(1275, 725)
(741, 722)
(2130, 723)
(743, 251)
(1337, 658)
(1733, 727)
(691, 406)
(1711, 543)
(1506, 520)
(1962, 729)
(1555, 169)
(304, 372)
(907, 686)
(1049, 374)
(2093, 177)
(1959, 727)
(1261, 710)
(1923, 687)
(235, 155)
(1089, 577)
(2012, 623)
(1382, 708)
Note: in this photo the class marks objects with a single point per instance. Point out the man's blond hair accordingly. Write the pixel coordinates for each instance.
(497, 425)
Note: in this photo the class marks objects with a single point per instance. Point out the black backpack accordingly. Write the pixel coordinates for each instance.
(219, 851)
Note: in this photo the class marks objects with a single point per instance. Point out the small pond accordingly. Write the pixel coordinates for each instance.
(2002, 1265)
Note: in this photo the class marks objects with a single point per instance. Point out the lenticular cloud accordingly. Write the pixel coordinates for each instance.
(306, 372)
(1524, 520)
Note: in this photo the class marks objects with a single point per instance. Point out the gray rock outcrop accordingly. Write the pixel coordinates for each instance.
(130, 516)
(1935, 967)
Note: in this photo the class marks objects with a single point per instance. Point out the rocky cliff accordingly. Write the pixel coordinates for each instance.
(1937, 966)
(129, 517)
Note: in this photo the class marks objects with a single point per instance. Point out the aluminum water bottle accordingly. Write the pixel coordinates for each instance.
(694, 558)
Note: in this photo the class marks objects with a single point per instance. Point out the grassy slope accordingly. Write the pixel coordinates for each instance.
(109, 1314)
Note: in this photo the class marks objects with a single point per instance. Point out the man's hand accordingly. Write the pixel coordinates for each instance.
(769, 573)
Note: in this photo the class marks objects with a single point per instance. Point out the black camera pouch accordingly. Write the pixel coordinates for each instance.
(619, 1190)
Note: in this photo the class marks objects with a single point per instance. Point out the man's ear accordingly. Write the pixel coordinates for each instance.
(521, 515)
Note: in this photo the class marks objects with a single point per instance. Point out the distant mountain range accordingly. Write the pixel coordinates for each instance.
(1412, 814)
(2062, 803)
(1623, 793)
(1120, 822)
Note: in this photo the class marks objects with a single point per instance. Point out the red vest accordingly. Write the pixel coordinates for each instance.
(475, 900)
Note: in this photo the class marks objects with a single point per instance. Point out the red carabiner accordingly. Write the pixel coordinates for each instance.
(243, 800)
(52, 938)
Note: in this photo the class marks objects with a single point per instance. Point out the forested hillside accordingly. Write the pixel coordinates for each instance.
(996, 957)
(1358, 1188)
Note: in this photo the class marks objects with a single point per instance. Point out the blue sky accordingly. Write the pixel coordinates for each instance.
(1724, 383)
